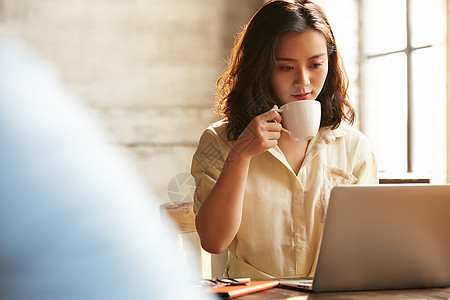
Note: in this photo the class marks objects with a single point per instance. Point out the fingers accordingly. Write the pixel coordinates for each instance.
(270, 122)
(273, 135)
(271, 115)
(267, 126)
(261, 133)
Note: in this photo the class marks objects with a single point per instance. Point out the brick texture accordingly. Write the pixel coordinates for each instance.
(146, 67)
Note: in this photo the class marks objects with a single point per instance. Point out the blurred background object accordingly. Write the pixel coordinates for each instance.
(76, 220)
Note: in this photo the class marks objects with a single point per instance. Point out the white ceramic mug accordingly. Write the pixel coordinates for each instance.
(301, 119)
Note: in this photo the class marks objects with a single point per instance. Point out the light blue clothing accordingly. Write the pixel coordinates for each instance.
(76, 221)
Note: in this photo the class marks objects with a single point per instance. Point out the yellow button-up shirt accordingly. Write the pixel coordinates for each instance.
(283, 212)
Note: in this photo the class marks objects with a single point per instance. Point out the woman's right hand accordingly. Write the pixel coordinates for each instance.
(261, 133)
(221, 211)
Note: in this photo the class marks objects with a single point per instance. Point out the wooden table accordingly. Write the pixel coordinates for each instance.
(295, 294)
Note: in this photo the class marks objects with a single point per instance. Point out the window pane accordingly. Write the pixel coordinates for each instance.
(429, 109)
(385, 110)
(426, 22)
(384, 25)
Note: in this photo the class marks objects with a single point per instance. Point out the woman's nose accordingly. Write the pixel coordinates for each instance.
(302, 78)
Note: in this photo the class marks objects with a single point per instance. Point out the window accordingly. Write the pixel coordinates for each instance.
(403, 96)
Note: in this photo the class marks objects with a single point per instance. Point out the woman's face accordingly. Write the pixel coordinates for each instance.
(301, 66)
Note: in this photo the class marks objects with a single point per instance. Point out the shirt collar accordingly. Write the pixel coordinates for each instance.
(325, 136)
(329, 135)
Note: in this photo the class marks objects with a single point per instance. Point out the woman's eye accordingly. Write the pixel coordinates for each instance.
(286, 68)
(315, 66)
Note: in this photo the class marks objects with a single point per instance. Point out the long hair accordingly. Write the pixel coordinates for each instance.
(245, 90)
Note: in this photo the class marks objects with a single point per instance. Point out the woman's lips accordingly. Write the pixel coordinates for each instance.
(303, 96)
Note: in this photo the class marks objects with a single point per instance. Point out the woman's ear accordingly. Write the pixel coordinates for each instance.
(331, 49)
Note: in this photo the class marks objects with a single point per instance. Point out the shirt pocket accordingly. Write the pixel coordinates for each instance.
(332, 177)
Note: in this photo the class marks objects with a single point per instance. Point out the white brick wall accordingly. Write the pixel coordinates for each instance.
(147, 67)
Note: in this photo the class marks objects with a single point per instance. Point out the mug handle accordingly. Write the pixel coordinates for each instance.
(285, 130)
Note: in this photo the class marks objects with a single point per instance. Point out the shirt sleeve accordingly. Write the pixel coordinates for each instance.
(366, 169)
(207, 164)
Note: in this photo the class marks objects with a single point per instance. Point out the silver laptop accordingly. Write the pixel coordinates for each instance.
(384, 237)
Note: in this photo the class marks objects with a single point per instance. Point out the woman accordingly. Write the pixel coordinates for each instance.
(260, 193)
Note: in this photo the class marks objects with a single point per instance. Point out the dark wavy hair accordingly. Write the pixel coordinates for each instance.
(245, 90)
